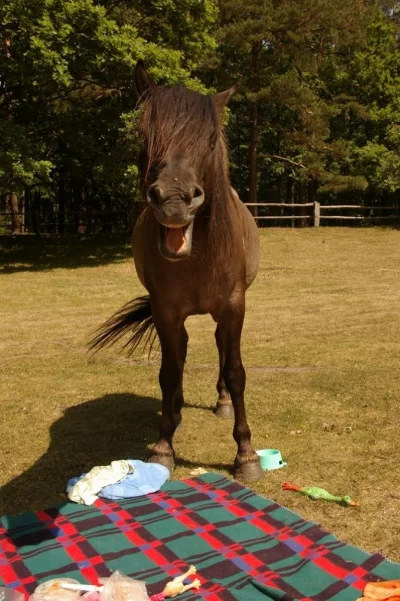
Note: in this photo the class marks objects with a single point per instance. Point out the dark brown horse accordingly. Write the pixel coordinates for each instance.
(196, 251)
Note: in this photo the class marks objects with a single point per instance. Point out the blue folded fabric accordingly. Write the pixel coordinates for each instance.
(146, 478)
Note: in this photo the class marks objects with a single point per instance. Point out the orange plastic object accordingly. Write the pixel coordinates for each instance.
(389, 589)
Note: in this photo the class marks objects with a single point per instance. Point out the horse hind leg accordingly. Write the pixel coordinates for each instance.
(224, 406)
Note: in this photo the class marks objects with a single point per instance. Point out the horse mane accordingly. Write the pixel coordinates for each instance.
(178, 120)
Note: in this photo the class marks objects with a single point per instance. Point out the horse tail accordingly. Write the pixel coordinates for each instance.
(134, 317)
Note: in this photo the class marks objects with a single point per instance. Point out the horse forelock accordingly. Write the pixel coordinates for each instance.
(178, 120)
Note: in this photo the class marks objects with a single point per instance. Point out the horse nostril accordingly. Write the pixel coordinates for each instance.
(196, 192)
(154, 194)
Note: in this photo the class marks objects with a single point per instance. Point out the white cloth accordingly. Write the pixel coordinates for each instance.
(86, 489)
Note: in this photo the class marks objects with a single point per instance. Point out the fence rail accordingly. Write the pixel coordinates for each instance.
(90, 222)
(59, 222)
(282, 217)
(328, 207)
(317, 212)
(279, 204)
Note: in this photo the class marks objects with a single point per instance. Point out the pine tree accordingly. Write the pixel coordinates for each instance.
(279, 52)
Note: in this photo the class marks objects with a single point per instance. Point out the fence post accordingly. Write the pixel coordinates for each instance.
(36, 219)
(317, 213)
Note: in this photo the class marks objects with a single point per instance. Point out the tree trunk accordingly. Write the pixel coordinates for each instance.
(36, 210)
(82, 216)
(15, 223)
(303, 193)
(61, 204)
(77, 207)
(28, 221)
(107, 220)
(253, 170)
(311, 195)
(289, 194)
(22, 209)
(253, 149)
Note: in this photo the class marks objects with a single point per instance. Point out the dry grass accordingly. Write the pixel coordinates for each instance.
(321, 344)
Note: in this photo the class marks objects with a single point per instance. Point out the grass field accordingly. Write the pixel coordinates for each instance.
(321, 347)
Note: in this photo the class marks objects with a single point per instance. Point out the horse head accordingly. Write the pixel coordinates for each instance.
(182, 140)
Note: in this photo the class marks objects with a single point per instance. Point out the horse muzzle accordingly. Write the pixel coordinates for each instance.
(175, 213)
(175, 241)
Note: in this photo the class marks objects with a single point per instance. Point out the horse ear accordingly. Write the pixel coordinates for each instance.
(142, 78)
(222, 98)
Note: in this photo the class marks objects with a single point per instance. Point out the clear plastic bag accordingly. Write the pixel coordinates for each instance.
(122, 588)
(9, 594)
(51, 590)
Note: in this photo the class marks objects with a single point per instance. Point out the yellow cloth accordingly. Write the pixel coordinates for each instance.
(86, 489)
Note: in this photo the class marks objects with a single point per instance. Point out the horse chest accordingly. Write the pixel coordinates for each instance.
(200, 284)
(197, 291)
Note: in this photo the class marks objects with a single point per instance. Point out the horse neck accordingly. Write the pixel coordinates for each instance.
(221, 221)
(217, 183)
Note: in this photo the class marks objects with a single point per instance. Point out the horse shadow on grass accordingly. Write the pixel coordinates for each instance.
(115, 426)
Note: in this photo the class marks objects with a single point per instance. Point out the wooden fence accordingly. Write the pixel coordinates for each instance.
(92, 222)
(313, 212)
(63, 222)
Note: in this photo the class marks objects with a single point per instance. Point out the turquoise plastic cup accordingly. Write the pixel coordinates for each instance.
(270, 459)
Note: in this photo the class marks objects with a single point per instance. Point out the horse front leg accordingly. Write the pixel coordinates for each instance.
(224, 406)
(173, 339)
(247, 464)
(179, 400)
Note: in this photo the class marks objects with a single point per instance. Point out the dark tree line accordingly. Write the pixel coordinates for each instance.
(316, 115)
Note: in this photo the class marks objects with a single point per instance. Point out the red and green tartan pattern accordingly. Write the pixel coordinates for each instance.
(245, 547)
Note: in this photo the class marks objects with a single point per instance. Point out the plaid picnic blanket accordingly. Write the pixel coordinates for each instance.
(245, 547)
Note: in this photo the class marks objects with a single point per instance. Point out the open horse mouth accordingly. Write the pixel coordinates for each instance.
(175, 241)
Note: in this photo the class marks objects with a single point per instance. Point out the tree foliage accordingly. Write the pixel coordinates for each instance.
(313, 72)
(316, 115)
(67, 93)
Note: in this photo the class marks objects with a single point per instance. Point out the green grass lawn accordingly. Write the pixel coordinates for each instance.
(321, 346)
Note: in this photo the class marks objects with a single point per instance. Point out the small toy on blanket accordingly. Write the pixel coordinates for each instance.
(176, 587)
(117, 587)
(388, 589)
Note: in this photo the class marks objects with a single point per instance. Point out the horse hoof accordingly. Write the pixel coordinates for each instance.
(225, 410)
(165, 460)
(249, 472)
